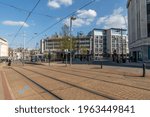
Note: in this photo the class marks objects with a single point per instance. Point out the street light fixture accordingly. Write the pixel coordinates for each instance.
(71, 19)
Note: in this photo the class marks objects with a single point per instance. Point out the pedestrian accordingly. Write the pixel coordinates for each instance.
(9, 62)
(130, 59)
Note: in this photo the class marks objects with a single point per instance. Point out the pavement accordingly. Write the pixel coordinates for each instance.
(1, 88)
(133, 85)
(133, 69)
(127, 64)
(106, 62)
(122, 83)
(2, 97)
(23, 89)
(109, 62)
(5, 90)
(137, 67)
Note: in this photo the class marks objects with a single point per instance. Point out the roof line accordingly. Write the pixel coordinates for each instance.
(128, 3)
(3, 39)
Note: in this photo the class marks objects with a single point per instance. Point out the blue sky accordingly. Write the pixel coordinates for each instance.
(99, 14)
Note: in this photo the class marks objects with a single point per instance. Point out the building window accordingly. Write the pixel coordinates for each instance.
(148, 9)
(148, 19)
(139, 55)
(148, 29)
(148, 52)
(113, 45)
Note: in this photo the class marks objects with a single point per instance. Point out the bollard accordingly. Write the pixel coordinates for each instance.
(66, 60)
(101, 65)
(144, 69)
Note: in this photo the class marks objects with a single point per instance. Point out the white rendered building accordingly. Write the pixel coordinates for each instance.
(3, 48)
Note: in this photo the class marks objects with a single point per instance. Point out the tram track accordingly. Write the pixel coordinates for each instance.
(92, 78)
(67, 83)
(109, 89)
(46, 90)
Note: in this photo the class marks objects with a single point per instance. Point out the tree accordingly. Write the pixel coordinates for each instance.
(55, 35)
(83, 50)
(65, 31)
(46, 56)
(67, 42)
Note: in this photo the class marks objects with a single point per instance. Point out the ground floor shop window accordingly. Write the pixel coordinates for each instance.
(149, 52)
(140, 56)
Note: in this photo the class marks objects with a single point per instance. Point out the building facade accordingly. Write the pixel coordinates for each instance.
(83, 44)
(21, 54)
(117, 41)
(98, 37)
(53, 44)
(3, 48)
(98, 43)
(139, 29)
(105, 41)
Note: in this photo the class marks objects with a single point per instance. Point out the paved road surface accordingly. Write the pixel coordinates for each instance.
(77, 82)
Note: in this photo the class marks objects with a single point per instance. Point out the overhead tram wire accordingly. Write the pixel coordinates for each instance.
(87, 4)
(25, 20)
(26, 11)
(14, 7)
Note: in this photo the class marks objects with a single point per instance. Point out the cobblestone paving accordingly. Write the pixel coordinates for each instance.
(116, 90)
(116, 82)
(24, 89)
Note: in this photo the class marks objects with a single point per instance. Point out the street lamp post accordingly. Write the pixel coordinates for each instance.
(123, 48)
(23, 47)
(122, 45)
(71, 19)
(66, 51)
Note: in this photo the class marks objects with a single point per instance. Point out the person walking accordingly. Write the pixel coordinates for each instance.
(9, 62)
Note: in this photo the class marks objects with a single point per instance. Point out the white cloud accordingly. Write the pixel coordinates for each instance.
(86, 13)
(59, 3)
(115, 20)
(83, 17)
(15, 23)
(53, 4)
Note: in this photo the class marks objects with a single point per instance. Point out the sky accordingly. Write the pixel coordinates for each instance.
(99, 14)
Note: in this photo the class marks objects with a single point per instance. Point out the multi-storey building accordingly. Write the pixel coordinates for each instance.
(97, 39)
(117, 41)
(49, 43)
(18, 53)
(82, 43)
(54, 44)
(57, 46)
(98, 43)
(105, 41)
(139, 29)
